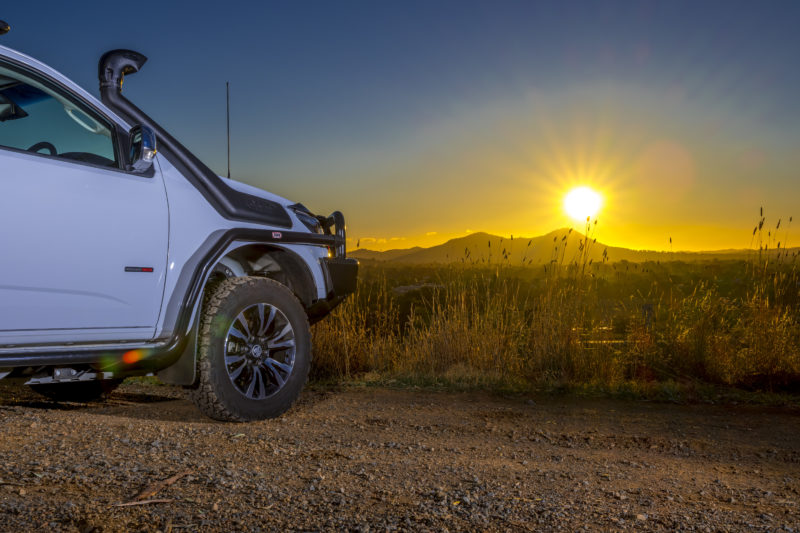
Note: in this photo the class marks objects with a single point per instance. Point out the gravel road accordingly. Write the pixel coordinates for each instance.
(377, 459)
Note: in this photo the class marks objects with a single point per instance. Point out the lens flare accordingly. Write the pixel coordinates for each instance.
(132, 356)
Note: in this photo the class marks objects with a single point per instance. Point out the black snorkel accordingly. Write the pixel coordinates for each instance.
(231, 204)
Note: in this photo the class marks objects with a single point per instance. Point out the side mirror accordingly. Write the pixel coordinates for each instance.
(143, 148)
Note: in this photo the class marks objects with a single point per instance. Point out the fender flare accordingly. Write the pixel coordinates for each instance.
(184, 370)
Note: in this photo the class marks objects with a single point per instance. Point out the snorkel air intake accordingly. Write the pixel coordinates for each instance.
(231, 204)
(114, 65)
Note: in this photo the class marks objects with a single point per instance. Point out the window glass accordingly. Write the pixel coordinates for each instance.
(36, 118)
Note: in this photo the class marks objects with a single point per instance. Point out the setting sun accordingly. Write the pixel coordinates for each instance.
(581, 203)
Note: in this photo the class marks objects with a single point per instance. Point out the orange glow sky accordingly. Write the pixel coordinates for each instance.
(667, 165)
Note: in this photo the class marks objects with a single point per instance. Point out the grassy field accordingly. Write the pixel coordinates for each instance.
(669, 327)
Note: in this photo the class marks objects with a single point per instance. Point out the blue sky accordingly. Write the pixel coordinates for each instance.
(425, 120)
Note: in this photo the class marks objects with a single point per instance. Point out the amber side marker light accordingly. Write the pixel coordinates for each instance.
(4, 27)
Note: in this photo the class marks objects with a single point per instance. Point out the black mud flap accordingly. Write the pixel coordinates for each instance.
(184, 370)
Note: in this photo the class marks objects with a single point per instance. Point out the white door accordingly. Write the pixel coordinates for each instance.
(83, 243)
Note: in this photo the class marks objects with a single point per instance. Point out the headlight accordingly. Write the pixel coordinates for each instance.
(310, 222)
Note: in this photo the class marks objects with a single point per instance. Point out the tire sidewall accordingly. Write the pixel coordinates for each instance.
(239, 299)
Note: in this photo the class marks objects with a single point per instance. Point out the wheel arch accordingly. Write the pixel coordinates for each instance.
(242, 259)
(273, 262)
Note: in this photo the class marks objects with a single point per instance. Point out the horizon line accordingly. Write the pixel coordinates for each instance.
(513, 237)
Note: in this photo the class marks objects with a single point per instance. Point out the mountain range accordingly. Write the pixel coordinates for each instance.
(562, 245)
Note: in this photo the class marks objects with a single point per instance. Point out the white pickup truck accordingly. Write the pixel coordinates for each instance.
(122, 254)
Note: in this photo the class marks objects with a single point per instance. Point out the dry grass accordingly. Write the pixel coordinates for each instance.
(573, 324)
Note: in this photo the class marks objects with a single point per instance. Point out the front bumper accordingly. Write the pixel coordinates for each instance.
(341, 278)
(340, 272)
(341, 275)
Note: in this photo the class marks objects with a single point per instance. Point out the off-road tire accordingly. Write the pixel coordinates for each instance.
(215, 394)
(78, 391)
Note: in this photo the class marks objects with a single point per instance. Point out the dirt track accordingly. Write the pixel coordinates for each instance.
(378, 459)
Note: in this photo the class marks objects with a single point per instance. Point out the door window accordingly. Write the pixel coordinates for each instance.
(36, 118)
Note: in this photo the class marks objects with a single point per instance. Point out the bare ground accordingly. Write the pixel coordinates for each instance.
(378, 459)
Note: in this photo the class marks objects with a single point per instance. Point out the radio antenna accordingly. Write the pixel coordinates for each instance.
(228, 119)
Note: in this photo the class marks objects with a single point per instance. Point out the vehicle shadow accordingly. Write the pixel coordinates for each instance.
(151, 407)
(177, 407)
(140, 402)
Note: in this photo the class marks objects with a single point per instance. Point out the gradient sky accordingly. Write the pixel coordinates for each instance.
(427, 120)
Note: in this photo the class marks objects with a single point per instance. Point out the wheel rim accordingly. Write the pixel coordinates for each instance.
(259, 351)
